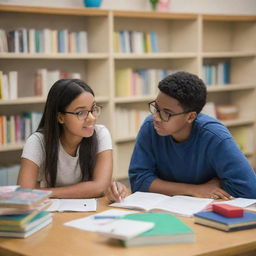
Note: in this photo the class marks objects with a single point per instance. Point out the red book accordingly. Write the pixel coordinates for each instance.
(228, 210)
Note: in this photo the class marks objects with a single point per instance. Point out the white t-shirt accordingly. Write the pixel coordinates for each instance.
(68, 168)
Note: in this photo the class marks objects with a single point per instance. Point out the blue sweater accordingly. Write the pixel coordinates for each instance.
(209, 152)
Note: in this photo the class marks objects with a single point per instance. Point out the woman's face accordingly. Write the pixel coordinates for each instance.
(81, 125)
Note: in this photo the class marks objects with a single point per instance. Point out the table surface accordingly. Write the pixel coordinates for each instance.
(57, 239)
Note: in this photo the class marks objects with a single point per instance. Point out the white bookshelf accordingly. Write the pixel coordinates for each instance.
(185, 42)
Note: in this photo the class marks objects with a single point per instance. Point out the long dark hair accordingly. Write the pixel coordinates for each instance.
(61, 94)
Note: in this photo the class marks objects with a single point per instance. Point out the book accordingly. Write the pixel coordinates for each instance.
(73, 205)
(124, 229)
(36, 220)
(18, 234)
(17, 211)
(168, 229)
(215, 220)
(23, 198)
(180, 205)
(19, 219)
(5, 189)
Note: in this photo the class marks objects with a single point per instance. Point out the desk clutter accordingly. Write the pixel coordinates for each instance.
(26, 211)
(131, 228)
(22, 211)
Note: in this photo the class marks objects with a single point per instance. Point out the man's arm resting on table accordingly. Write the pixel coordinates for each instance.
(210, 189)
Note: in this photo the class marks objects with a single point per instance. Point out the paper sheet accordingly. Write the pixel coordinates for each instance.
(239, 202)
(73, 205)
(92, 224)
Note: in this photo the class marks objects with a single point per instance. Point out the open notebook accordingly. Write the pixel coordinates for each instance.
(73, 205)
(180, 205)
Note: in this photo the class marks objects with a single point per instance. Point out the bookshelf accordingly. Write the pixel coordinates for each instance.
(185, 42)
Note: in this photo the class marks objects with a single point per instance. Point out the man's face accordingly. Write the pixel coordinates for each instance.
(178, 125)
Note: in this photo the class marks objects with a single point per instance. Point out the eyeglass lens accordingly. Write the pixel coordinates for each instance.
(84, 114)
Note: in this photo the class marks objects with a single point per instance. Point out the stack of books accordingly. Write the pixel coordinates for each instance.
(218, 221)
(22, 211)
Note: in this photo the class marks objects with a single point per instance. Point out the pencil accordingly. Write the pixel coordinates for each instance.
(117, 188)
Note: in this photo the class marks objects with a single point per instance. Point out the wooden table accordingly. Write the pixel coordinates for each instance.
(57, 239)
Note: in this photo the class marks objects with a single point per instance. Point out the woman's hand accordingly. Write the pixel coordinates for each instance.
(116, 192)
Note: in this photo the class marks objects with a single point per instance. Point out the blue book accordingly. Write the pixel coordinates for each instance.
(218, 221)
(153, 38)
(226, 73)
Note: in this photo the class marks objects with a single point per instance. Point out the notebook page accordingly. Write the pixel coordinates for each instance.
(183, 205)
(239, 202)
(141, 200)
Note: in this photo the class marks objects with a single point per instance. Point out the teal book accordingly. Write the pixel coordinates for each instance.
(23, 198)
(31, 228)
(30, 224)
(17, 219)
(215, 220)
(168, 229)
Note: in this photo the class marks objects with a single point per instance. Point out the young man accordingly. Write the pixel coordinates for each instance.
(180, 151)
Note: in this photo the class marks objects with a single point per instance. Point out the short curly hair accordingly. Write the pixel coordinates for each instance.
(187, 88)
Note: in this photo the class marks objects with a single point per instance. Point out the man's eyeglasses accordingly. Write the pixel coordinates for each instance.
(82, 115)
(164, 115)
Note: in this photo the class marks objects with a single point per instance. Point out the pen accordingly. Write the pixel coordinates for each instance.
(105, 217)
(120, 198)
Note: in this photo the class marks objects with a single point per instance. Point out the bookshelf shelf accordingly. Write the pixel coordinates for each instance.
(175, 55)
(248, 153)
(124, 100)
(53, 56)
(11, 147)
(212, 39)
(231, 87)
(35, 100)
(23, 100)
(239, 122)
(125, 139)
(237, 54)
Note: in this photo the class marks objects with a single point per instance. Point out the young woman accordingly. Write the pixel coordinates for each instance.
(69, 154)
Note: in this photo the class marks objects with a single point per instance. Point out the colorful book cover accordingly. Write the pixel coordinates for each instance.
(34, 220)
(23, 198)
(17, 220)
(24, 234)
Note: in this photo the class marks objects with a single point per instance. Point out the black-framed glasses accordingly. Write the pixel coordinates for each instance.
(82, 115)
(164, 115)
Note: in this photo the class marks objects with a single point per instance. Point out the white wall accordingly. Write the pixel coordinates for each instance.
(196, 6)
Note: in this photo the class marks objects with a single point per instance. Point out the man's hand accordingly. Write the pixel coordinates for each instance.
(116, 192)
(211, 189)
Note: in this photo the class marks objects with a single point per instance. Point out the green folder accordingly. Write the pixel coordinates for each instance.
(168, 229)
